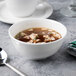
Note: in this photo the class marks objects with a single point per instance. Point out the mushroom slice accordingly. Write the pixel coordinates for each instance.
(33, 36)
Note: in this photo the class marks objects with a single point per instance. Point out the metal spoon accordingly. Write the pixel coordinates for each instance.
(3, 59)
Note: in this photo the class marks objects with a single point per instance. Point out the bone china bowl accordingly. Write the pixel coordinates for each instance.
(37, 50)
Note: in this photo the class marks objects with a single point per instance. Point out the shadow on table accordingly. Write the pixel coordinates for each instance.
(56, 15)
(62, 57)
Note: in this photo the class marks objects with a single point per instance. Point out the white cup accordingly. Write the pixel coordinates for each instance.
(22, 8)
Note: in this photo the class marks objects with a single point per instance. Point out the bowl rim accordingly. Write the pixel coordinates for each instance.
(36, 43)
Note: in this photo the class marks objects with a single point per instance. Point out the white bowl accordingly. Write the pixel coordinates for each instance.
(37, 51)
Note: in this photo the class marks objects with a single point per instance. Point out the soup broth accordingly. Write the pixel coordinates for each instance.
(38, 35)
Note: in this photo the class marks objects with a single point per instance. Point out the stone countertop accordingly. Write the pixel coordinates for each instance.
(61, 64)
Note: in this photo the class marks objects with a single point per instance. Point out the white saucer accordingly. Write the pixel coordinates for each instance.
(41, 12)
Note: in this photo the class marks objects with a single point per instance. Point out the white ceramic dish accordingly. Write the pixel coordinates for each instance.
(37, 51)
(41, 12)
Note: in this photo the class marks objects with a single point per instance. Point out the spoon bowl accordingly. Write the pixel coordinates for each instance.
(3, 57)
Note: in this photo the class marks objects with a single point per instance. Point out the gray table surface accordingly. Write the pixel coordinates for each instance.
(61, 64)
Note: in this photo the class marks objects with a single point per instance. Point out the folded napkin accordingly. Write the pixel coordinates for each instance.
(72, 48)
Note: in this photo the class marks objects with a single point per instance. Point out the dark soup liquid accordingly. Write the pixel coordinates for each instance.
(38, 35)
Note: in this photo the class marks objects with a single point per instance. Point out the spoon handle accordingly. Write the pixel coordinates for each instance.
(14, 69)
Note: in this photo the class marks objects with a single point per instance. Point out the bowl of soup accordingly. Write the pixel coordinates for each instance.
(37, 38)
